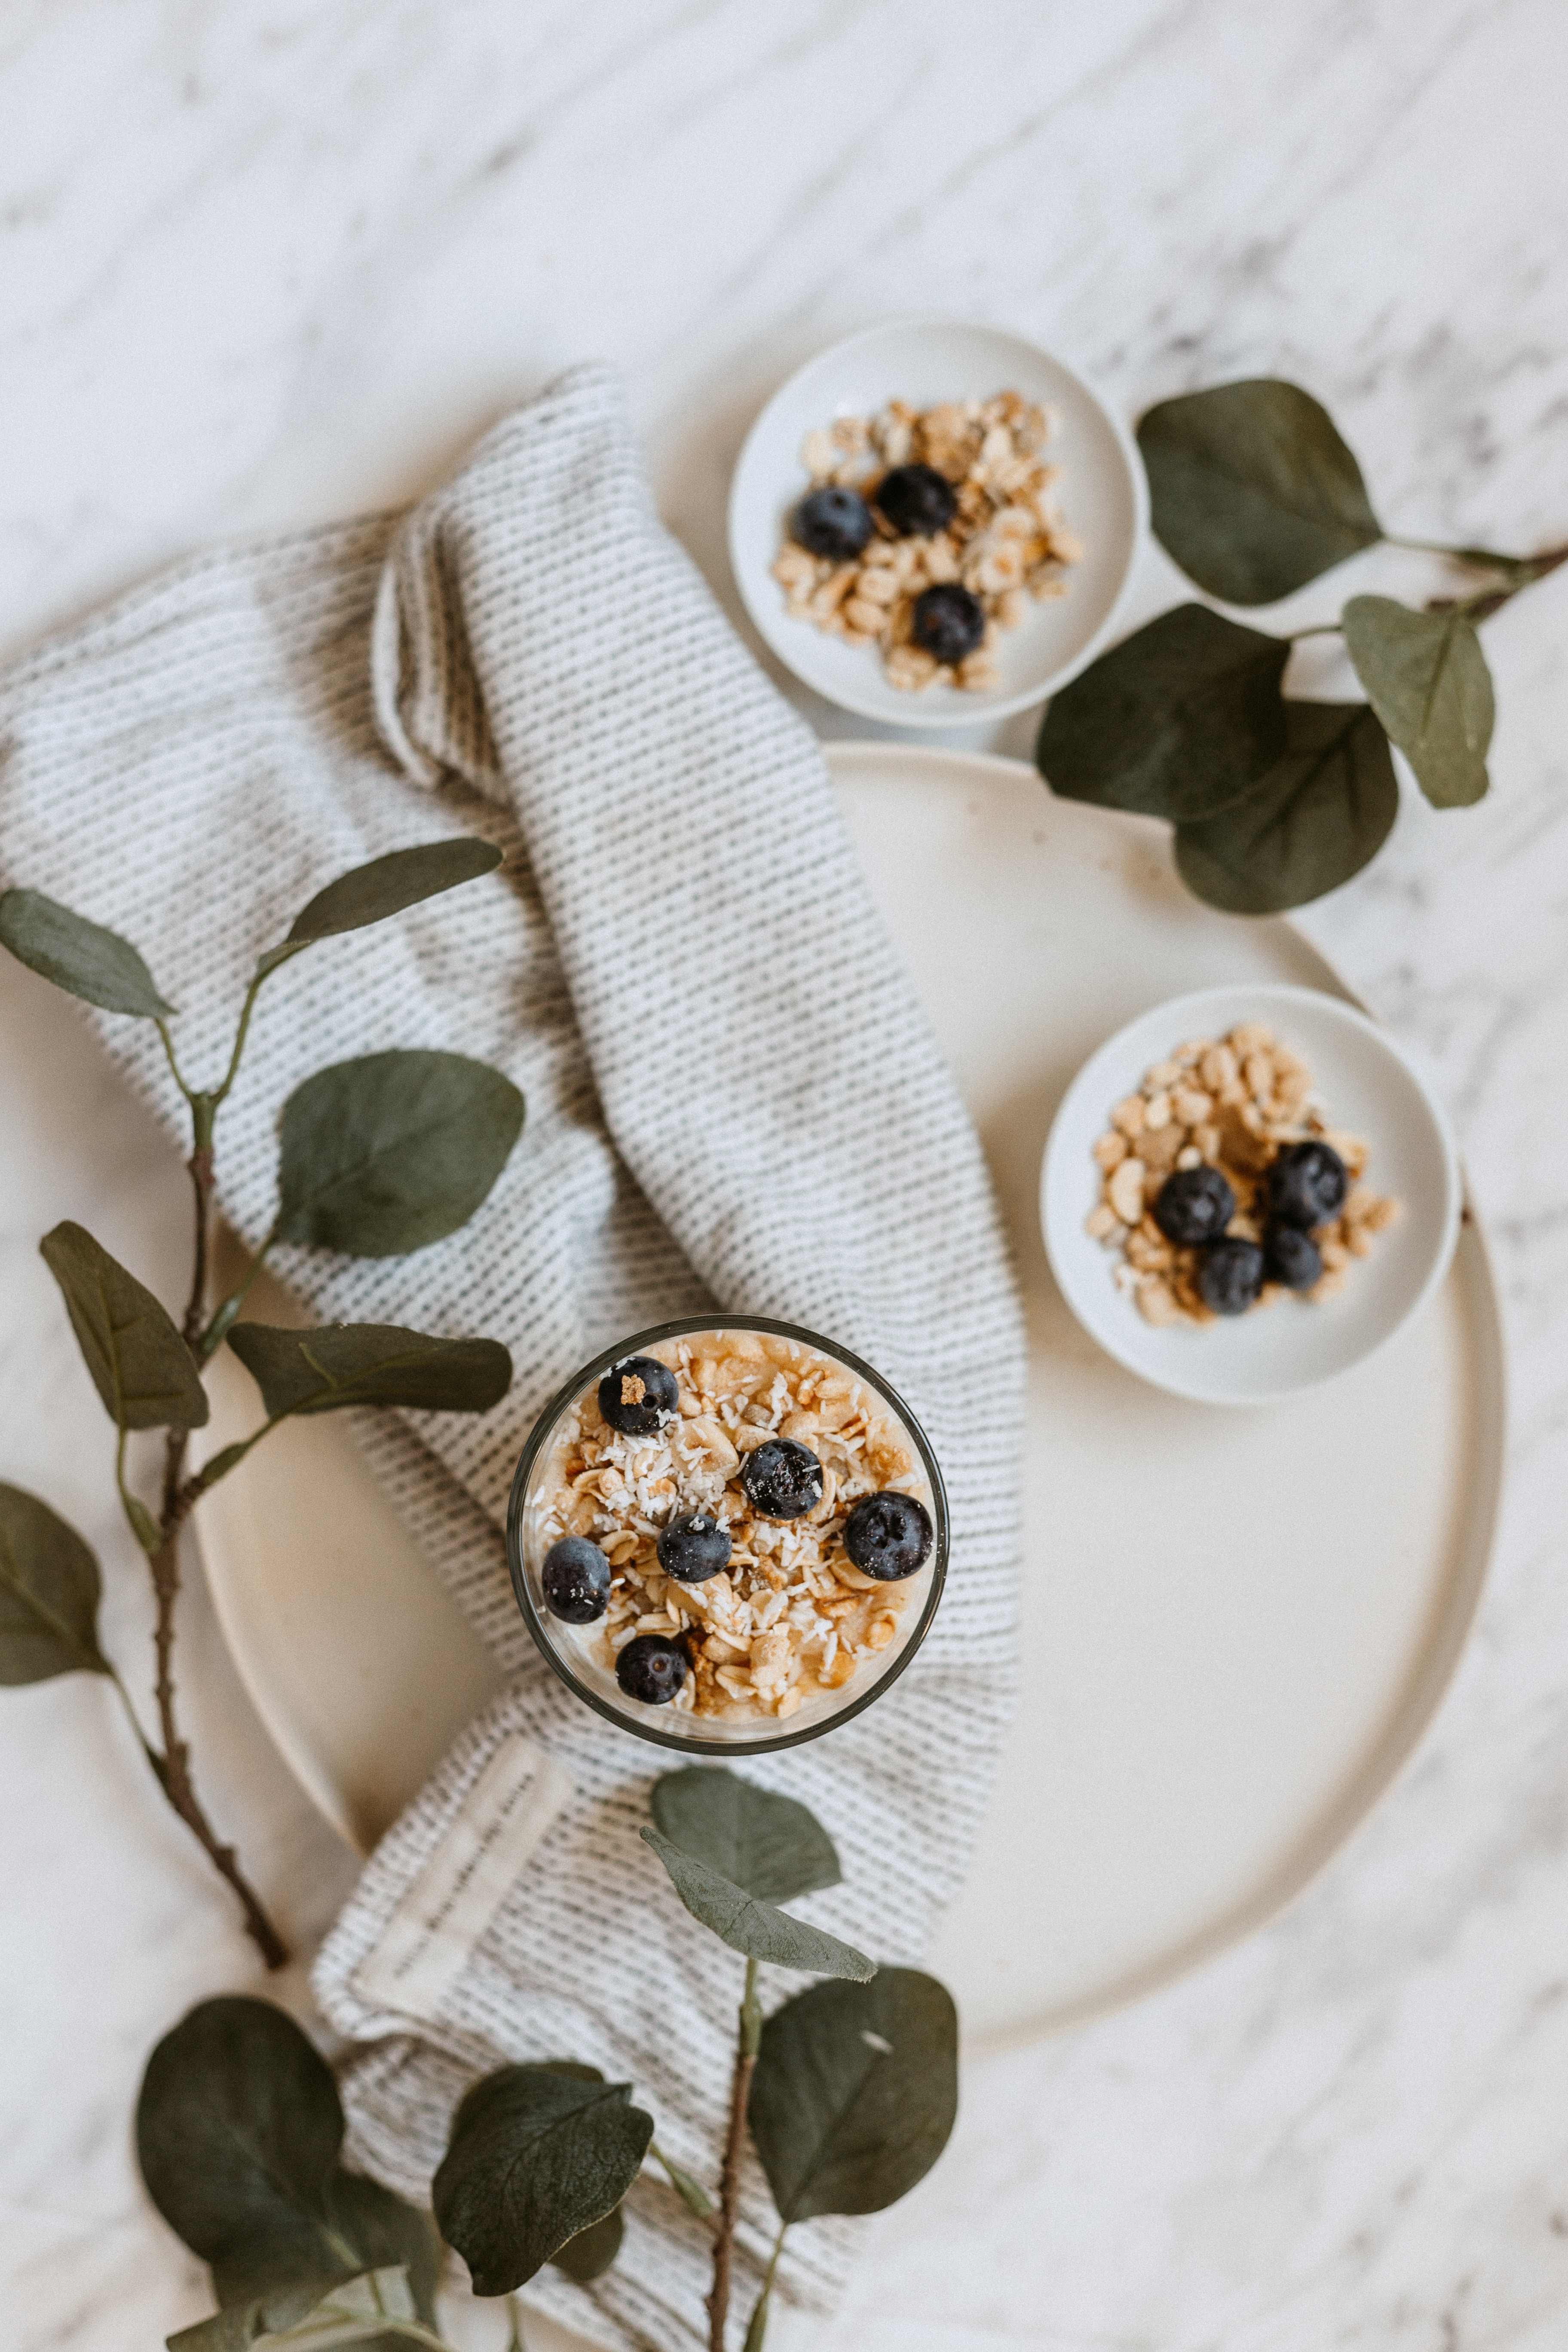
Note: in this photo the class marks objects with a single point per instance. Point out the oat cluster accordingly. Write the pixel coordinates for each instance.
(791, 1617)
(1235, 1103)
(1004, 544)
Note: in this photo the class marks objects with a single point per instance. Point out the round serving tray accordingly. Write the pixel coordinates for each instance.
(1234, 1625)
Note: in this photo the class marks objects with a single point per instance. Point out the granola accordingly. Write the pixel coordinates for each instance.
(789, 1620)
(1237, 1105)
(1004, 542)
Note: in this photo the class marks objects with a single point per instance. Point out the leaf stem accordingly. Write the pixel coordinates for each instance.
(757, 2326)
(241, 1035)
(690, 2192)
(514, 2342)
(162, 1029)
(749, 2039)
(226, 1313)
(1324, 629)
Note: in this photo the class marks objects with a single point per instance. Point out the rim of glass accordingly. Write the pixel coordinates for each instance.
(687, 1743)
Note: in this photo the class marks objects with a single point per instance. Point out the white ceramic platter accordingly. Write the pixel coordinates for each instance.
(1235, 1625)
(1101, 493)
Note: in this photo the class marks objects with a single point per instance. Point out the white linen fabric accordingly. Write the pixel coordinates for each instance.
(734, 1103)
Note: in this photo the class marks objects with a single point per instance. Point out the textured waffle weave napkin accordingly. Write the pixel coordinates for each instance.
(733, 1101)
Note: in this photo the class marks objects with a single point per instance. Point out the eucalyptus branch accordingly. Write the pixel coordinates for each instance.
(748, 2043)
(379, 1156)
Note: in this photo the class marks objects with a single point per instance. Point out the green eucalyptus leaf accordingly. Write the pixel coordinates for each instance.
(385, 2233)
(370, 1363)
(1314, 821)
(49, 1591)
(1178, 721)
(1426, 677)
(590, 2253)
(390, 1152)
(536, 2157)
(855, 2093)
(82, 957)
(315, 2318)
(770, 1846)
(369, 894)
(238, 2127)
(751, 1926)
(1252, 490)
(140, 1367)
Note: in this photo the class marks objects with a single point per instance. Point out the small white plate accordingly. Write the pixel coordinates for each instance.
(1368, 1087)
(1102, 495)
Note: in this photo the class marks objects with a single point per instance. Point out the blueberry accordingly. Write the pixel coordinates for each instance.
(1292, 1257)
(917, 500)
(637, 1395)
(652, 1668)
(947, 621)
(1307, 1184)
(832, 522)
(1194, 1204)
(1230, 1275)
(782, 1480)
(694, 1548)
(888, 1536)
(576, 1580)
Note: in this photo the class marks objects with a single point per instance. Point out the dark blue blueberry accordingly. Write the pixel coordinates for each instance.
(1194, 1204)
(947, 621)
(1292, 1257)
(888, 1536)
(1230, 1275)
(782, 1480)
(832, 522)
(917, 500)
(576, 1580)
(693, 1549)
(637, 1395)
(652, 1668)
(1307, 1185)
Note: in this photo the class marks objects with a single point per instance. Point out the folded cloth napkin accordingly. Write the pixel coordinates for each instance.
(734, 1102)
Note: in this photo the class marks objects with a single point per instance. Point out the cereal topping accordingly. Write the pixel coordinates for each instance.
(970, 510)
(1224, 1185)
(789, 1616)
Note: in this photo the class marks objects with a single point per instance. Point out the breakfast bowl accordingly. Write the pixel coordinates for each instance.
(1248, 1190)
(727, 1536)
(1050, 503)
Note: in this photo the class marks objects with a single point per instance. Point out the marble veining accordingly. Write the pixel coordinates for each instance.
(273, 262)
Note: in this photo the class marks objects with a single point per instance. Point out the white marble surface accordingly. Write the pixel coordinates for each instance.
(273, 262)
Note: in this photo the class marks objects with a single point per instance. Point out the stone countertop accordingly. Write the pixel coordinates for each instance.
(272, 264)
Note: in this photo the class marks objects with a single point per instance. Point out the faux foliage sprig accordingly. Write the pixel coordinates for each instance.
(1254, 494)
(849, 2091)
(377, 1157)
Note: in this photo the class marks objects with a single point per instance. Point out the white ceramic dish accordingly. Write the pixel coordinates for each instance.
(1234, 1626)
(1103, 496)
(1371, 1089)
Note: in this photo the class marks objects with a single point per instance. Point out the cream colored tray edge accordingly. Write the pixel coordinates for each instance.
(227, 1533)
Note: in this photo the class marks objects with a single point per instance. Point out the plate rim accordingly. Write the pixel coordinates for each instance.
(983, 710)
(1433, 1668)
(1472, 1265)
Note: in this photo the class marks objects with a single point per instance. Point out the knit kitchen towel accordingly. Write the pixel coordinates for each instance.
(734, 1103)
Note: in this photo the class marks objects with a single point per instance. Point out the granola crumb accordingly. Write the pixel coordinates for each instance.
(1234, 1103)
(1006, 542)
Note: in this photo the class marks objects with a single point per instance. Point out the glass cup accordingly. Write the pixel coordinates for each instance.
(884, 1623)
